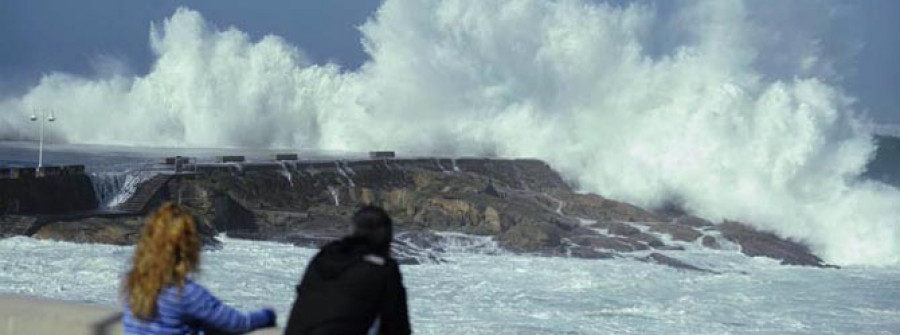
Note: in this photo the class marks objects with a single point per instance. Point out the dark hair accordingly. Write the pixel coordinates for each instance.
(373, 224)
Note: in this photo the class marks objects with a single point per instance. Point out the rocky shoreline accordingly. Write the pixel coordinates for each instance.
(523, 205)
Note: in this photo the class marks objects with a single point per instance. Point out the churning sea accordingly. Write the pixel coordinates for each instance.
(476, 292)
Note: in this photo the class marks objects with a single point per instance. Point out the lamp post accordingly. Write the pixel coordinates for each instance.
(44, 117)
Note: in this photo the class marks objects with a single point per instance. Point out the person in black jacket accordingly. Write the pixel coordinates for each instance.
(353, 284)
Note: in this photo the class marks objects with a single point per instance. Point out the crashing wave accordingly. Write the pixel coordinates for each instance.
(735, 124)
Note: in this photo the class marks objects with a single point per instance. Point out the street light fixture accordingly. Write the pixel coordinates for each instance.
(42, 118)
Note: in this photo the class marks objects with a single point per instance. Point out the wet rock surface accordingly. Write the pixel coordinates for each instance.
(661, 259)
(757, 243)
(124, 231)
(523, 206)
(116, 231)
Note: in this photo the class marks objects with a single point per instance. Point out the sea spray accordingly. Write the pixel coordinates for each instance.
(114, 188)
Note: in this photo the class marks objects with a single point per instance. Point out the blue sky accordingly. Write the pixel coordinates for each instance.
(38, 37)
(59, 35)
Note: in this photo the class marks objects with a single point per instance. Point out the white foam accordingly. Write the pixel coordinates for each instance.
(114, 188)
(286, 173)
(333, 191)
(343, 173)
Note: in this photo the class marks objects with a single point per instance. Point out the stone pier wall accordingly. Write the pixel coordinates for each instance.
(47, 195)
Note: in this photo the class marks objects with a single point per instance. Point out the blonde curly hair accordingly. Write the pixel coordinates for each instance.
(168, 251)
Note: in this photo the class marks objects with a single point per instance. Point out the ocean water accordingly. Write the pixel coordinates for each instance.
(499, 293)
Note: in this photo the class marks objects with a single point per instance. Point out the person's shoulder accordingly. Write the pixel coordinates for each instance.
(188, 285)
(175, 294)
(191, 288)
(188, 282)
(391, 270)
(331, 246)
(331, 249)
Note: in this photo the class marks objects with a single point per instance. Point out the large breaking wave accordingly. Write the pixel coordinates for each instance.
(699, 106)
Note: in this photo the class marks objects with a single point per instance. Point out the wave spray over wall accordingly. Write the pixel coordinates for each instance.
(625, 100)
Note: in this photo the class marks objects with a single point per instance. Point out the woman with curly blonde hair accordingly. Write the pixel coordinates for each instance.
(159, 296)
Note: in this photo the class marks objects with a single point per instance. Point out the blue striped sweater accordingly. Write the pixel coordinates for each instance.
(190, 310)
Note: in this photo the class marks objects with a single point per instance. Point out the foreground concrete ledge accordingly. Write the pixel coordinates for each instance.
(37, 316)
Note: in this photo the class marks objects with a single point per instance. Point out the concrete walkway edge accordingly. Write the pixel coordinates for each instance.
(36, 316)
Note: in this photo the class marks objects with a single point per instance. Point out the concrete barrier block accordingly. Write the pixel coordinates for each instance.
(23, 173)
(230, 159)
(50, 171)
(286, 157)
(382, 154)
(39, 316)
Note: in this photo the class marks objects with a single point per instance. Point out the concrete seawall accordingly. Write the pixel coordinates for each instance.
(36, 316)
(47, 195)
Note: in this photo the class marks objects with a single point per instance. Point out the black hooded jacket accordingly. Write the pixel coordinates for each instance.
(345, 288)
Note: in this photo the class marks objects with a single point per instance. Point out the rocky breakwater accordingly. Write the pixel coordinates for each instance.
(522, 206)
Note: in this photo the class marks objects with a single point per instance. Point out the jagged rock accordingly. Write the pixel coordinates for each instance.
(478, 200)
(523, 204)
(124, 231)
(678, 232)
(524, 174)
(428, 199)
(670, 248)
(671, 262)
(622, 229)
(608, 243)
(228, 215)
(710, 242)
(756, 243)
(531, 235)
(589, 253)
(115, 231)
(633, 234)
(575, 251)
(565, 222)
(592, 206)
(650, 240)
(466, 215)
(692, 221)
(492, 191)
(492, 220)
